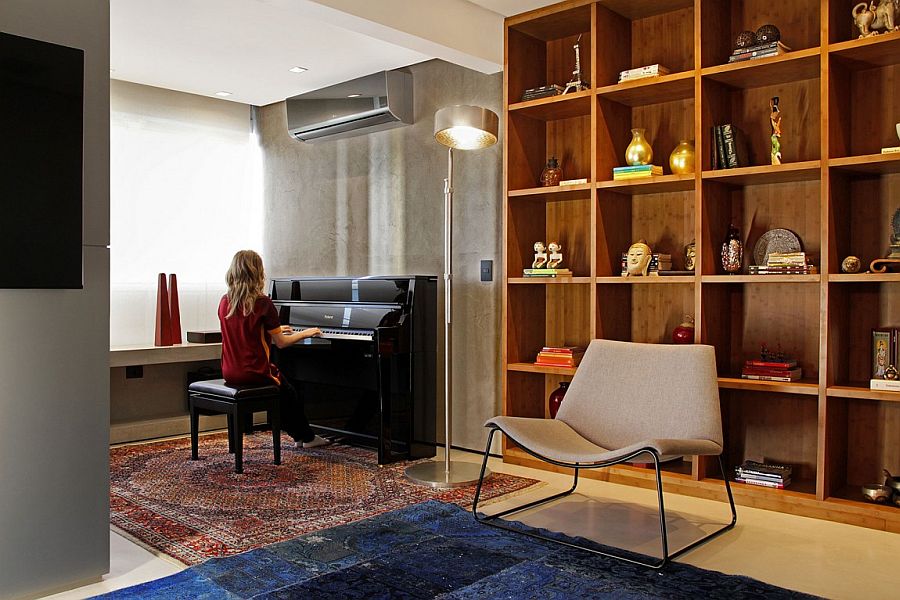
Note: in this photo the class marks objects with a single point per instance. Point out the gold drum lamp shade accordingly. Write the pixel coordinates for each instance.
(466, 127)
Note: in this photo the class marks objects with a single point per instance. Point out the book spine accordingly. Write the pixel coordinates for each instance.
(769, 378)
(636, 169)
(771, 365)
(778, 486)
(720, 147)
(758, 47)
(751, 55)
(730, 148)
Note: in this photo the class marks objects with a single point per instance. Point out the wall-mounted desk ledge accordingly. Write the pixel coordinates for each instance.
(125, 356)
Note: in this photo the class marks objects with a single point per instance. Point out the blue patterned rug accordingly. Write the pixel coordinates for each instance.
(437, 550)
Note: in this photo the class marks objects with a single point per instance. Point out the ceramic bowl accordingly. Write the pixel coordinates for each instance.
(877, 493)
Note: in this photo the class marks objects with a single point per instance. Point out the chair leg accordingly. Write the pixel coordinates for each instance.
(238, 443)
(275, 422)
(663, 530)
(230, 433)
(195, 425)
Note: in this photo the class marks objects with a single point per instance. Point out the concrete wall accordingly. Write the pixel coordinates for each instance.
(54, 378)
(374, 205)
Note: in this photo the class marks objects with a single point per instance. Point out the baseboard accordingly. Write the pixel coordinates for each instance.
(136, 431)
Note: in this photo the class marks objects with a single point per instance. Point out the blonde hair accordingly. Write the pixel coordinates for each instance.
(246, 279)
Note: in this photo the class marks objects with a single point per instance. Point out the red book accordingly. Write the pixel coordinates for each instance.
(788, 364)
(563, 350)
(771, 372)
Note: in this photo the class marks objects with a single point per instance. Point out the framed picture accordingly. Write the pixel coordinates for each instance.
(882, 351)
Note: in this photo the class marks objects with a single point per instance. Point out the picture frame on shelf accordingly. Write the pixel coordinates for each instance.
(883, 351)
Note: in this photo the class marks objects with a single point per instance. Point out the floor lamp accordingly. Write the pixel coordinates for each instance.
(458, 128)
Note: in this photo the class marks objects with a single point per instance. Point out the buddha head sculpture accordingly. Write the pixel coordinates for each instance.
(638, 259)
(690, 256)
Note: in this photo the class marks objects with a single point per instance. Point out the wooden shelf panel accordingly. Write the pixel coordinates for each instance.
(533, 368)
(861, 391)
(760, 278)
(793, 66)
(805, 387)
(809, 170)
(641, 10)
(864, 277)
(650, 185)
(649, 280)
(869, 164)
(547, 280)
(652, 90)
(553, 193)
(879, 51)
(576, 104)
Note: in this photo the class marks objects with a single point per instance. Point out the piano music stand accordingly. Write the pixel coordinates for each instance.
(462, 128)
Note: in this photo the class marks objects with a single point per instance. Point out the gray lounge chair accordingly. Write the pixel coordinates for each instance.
(626, 400)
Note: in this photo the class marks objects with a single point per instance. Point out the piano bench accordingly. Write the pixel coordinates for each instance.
(214, 397)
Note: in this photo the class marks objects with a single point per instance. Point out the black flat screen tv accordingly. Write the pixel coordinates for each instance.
(41, 159)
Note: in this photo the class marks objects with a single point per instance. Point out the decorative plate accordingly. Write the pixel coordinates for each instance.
(775, 240)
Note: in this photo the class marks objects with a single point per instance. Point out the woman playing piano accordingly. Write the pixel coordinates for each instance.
(250, 325)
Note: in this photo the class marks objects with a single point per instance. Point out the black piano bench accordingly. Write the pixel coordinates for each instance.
(215, 397)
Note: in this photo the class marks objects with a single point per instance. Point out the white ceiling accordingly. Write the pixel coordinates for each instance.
(247, 46)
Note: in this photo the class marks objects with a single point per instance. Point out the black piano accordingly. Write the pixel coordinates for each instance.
(371, 378)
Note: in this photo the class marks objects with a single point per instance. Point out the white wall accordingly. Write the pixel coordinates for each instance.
(54, 375)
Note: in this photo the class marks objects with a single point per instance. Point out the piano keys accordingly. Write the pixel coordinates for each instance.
(371, 378)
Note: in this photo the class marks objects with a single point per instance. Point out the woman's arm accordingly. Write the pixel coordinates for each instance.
(287, 336)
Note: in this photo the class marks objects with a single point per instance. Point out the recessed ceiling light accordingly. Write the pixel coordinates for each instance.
(298, 69)
(223, 94)
(354, 95)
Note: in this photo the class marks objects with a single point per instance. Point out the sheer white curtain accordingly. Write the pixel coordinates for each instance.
(186, 193)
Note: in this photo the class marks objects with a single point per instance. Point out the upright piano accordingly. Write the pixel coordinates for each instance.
(371, 379)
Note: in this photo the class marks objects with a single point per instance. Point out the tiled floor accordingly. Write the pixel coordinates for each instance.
(818, 557)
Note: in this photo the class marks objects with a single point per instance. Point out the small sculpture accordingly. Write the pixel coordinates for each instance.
(578, 83)
(732, 251)
(540, 256)
(872, 20)
(552, 173)
(638, 151)
(690, 256)
(684, 333)
(556, 257)
(767, 355)
(681, 161)
(775, 120)
(895, 235)
(637, 261)
(891, 373)
(851, 264)
(768, 33)
(745, 39)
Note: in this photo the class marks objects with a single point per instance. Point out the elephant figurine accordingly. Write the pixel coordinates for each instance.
(871, 19)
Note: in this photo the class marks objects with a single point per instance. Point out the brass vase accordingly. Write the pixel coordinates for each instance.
(639, 151)
(682, 158)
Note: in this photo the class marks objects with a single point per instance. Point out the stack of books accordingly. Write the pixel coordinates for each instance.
(547, 273)
(764, 370)
(783, 263)
(729, 148)
(658, 262)
(542, 92)
(636, 172)
(559, 356)
(764, 474)
(763, 50)
(643, 72)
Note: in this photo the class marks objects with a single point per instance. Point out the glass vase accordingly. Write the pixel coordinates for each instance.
(639, 151)
(681, 161)
(732, 251)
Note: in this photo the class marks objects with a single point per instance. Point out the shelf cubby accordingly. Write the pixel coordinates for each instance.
(546, 315)
(530, 142)
(642, 313)
(862, 101)
(722, 20)
(739, 318)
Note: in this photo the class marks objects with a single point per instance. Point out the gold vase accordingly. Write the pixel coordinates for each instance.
(639, 151)
(682, 158)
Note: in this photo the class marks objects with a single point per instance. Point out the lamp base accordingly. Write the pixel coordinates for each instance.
(436, 475)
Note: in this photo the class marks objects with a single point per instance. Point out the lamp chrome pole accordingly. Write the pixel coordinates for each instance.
(464, 128)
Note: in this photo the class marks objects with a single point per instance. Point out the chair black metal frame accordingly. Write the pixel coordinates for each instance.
(494, 520)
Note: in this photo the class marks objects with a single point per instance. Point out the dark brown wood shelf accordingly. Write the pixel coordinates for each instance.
(793, 66)
(864, 278)
(641, 10)
(533, 368)
(649, 280)
(547, 280)
(575, 104)
(553, 193)
(760, 278)
(650, 185)
(878, 51)
(809, 170)
(804, 386)
(870, 164)
(861, 391)
(652, 90)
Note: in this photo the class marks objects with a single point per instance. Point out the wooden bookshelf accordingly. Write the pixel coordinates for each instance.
(835, 190)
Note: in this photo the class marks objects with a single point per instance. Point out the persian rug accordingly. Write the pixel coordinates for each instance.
(438, 550)
(195, 510)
